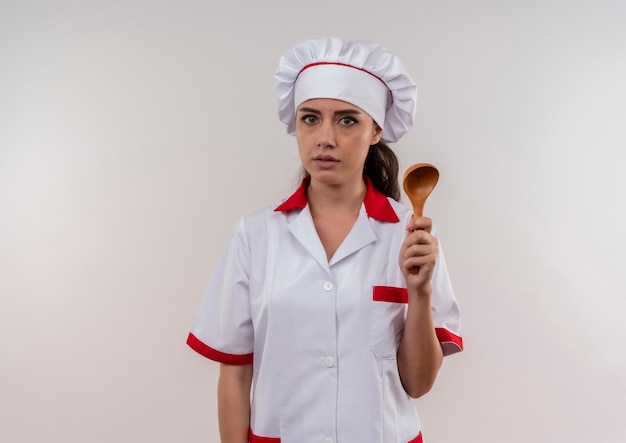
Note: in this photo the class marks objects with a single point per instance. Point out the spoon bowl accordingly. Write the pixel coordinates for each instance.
(418, 182)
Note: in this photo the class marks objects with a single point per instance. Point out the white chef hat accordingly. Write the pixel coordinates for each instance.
(359, 72)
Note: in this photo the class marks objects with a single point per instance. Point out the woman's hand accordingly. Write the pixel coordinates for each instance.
(419, 353)
(420, 249)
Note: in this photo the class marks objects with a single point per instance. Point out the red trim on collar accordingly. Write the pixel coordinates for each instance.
(376, 204)
(298, 199)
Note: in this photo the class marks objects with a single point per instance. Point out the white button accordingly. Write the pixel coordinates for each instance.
(329, 362)
(328, 440)
(328, 286)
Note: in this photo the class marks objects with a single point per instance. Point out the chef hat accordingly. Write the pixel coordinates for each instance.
(359, 72)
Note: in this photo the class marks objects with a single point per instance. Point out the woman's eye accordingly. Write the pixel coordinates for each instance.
(309, 119)
(347, 121)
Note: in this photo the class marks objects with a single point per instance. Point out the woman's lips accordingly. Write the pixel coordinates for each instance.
(325, 162)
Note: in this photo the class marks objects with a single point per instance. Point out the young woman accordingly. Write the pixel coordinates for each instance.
(312, 304)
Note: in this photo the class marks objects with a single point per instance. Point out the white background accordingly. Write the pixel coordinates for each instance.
(134, 134)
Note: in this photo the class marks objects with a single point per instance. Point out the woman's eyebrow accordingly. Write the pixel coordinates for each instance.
(341, 111)
(310, 110)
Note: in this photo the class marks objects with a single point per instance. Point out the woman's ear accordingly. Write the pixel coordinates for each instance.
(378, 133)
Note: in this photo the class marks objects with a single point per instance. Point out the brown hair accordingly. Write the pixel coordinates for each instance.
(381, 166)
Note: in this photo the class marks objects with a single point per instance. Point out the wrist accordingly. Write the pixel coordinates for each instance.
(422, 292)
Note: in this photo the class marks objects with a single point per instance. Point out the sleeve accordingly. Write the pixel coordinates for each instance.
(222, 330)
(446, 311)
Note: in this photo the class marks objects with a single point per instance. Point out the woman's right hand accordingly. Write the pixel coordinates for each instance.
(419, 250)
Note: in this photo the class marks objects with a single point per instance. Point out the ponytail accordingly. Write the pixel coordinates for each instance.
(381, 166)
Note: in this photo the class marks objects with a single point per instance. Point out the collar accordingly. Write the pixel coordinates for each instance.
(376, 204)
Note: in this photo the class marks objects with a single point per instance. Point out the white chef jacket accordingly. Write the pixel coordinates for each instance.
(322, 335)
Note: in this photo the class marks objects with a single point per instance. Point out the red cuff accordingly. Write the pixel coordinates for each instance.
(218, 356)
(450, 342)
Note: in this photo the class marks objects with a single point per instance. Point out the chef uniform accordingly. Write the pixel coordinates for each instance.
(322, 335)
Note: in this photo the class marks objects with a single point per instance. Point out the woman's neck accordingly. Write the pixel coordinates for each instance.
(337, 199)
(334, 209)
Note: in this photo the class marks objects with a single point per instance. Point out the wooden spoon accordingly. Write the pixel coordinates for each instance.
(418, 182)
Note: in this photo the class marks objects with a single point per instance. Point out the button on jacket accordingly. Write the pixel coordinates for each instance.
(322, 335)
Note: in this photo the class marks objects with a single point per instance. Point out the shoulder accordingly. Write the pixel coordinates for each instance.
(267, 216)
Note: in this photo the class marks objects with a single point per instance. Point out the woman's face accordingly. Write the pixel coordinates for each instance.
(333, 139)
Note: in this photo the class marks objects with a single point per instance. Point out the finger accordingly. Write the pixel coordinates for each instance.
(419, 223)
(423, 223)
(410, 226)
(419, 250)
(419, 260)
(420, 237)
(423, 263)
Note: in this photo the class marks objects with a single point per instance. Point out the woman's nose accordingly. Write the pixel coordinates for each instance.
(326, 134)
